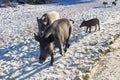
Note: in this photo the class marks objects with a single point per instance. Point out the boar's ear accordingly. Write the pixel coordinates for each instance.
(37, 19)
(50, 38)
(83, 19)
(37, 38)
(44, 18)
(72, 21)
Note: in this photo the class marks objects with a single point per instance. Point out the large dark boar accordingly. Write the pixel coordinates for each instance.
(90, 23)
(56, 36)
(47, 19)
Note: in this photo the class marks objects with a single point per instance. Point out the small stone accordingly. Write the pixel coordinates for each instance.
(77, 78)
(27, 68)
(24, 48)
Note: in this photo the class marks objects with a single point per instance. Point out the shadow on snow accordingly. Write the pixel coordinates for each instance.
(34, 65)
(68, 2)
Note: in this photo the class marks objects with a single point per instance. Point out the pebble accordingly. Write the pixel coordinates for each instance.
(24, 48)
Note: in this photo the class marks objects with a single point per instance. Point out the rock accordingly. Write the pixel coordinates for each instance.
(27, 68)
(24, 48)
(77, 78)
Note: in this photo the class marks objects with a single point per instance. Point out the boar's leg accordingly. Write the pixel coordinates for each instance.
(99, 26)
(52, 59)
(90, 29)
(86, 29)
(95, 27)
(62, 53)
(67, 45)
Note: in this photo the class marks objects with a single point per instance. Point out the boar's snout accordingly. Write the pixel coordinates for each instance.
(81, 26)
(41, 60)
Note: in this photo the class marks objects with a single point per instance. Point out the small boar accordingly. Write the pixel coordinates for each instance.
(56, 36)
(114, 3)
(90, 23)
(21, 2)
(105, 3)
(47, 19)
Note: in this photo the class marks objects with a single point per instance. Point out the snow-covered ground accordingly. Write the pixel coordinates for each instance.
(19, 51)
(107, 68)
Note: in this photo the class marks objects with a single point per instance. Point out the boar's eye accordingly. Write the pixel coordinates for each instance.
(50, 38)
(42, 28)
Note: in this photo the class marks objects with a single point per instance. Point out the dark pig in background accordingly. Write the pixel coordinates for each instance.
(90, 23)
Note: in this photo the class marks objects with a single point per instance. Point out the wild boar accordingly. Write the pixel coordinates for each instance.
(56, 36)
(47, 19)
(105, 3)
(90, 23)
(114, 3)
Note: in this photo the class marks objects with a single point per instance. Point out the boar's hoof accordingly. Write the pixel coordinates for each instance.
(41, 62)
(68, 45)
(51, 64)
(89, 31)
(65, 50)
(62, 54)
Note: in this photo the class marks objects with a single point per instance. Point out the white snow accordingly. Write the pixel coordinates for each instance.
(19, 52)
(108, 66)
